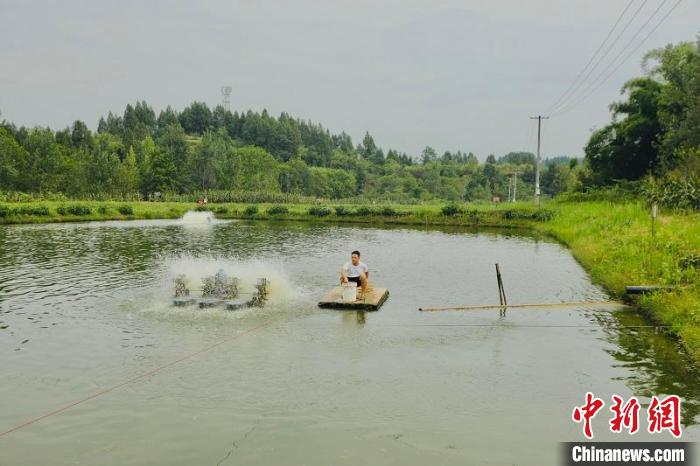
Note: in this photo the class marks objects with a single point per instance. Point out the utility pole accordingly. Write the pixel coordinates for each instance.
(539, 119)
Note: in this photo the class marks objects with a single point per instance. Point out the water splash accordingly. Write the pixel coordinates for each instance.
(198, 218)
(284, 294)
(282, 288)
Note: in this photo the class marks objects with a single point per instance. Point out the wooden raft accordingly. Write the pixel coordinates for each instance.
(372, 301)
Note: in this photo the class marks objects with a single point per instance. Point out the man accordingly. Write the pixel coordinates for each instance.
(355, 271)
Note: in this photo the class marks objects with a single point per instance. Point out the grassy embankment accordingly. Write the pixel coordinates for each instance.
(613, 241)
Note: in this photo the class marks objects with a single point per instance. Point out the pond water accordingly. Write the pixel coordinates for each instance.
(85, 307)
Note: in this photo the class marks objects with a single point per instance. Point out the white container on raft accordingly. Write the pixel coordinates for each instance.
(349, 293)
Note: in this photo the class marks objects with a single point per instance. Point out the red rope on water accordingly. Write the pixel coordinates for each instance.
(132, 380)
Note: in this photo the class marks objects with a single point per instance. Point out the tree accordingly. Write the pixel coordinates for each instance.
(161, 174)
(428, 155)
(127, 179)
(210, 160)
(81, 135)
(369, 150)
(678, 70)
(196, 119)
(173, 142)
(45, 161)
(294, 176)
(166, 118)
(138, 122)
(518, 158)
(252, 169)
(330, 183)
(626, 149)
(13, 159)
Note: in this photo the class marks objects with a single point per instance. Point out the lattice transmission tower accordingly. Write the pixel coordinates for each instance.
(226, 94)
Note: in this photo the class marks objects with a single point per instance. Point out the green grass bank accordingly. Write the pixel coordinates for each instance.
(613, 241)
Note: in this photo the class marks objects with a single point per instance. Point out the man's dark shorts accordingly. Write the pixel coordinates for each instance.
(355, 279)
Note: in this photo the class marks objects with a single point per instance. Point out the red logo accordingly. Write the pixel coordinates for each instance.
(662, 414)
(665, 415)
(626, 416)
(587, 412)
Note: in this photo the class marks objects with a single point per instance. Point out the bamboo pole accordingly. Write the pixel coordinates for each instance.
(504, 306)
(501, 290)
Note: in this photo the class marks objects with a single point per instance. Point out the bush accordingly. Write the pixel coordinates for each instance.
(674, 192)
(79, 210)
(202, 208)
(74, 210)
(474, 217)
(364, 212)
(4, 211)
(242, 197)
(543, 215)
(509, 214)
(126, 210)
(342, 211)
(389, 212)
(451, 210)
(251, 210)
(320, 211)
(102, 210)
(38, 210)
(221, 210)
(278, 210)
(540, 215)
(690, 261)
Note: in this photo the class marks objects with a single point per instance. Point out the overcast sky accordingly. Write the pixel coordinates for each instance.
(451, 74)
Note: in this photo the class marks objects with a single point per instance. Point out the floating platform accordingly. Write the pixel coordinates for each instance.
(209, 302)
(204, 303)
(235, 304)
(371, 302)
(644, 289)
(184, 301)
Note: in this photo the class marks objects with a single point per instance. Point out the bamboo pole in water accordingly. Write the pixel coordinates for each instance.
(508, 306)
(501, 290)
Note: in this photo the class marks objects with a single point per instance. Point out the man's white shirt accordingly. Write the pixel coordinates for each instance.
(355, 270)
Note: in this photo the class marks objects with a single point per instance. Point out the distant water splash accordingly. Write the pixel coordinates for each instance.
(198, 218)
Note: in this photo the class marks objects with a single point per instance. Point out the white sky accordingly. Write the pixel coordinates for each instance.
(451, 74)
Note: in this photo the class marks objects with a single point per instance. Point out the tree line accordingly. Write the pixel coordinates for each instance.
(141, 154)
(655, 132)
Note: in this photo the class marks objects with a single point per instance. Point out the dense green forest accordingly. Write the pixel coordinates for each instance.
(199, 150)
(139, 154)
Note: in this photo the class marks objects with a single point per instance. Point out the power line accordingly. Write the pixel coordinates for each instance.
(585, 93)
(133, 379)
(607, 76)
(602, 57)
(600, 47)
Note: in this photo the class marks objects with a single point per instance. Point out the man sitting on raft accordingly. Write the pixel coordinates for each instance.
(355, 271)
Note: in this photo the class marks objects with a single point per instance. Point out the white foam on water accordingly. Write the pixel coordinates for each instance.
(281, 288)
(194, 217)
(283, 293)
